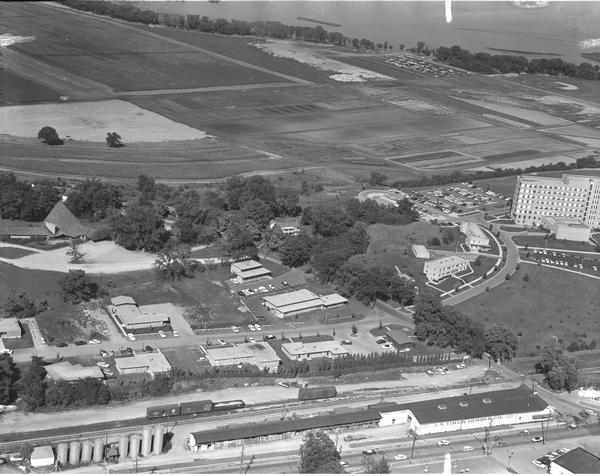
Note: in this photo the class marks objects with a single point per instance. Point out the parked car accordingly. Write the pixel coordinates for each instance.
(467, 448)
(400, 457)
(269, 337)
(162, 334)
(370, 451)
(222, 342)
(538, 463)
(251, 328)
(103, 353)
(285, 283)
(346, 342)
(80, 342)
(252, 340)
(387, 346)
(537, 439)
(241, 293)
(62, 344)
(235, 329)
(381, 341)
(443, 443)
(94, 342)
(15, 458)
(131, 337)
(283, 384)
(175, 334)
(257, 327)
(23, 468)
(42, 341)
(271, 287)
(148, 348)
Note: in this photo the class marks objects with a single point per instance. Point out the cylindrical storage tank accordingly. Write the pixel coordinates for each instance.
(62, 452)
(123, 445)
(86, 452)
(134, 446)
(146, 441)
(159, 434)
(74, 450)
(98, 450)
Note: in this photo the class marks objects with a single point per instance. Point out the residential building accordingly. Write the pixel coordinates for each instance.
(477, 240)
(61, 222)
(440, 268)
(420, 251)
(572, 229)
(260, 354)
(131, 319)
(288, 226)
(152, 363)
(302, 300)
(467, 412)
(10, 328)
(248, 271)
(68, 372)
(570, 196)
(577, 461)
(313, 350)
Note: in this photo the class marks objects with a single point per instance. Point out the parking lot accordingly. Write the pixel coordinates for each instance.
(461, 198)
(583, 263)
(420, 65)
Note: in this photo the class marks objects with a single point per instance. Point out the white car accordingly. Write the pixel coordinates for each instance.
(467, 448)
(104, 365)
(222, 342)
(235, 329)
(537, 439)
(175, 334)
(387, 346)
(96, 341)
(257, 327)
(400, 457)
(131, 337)
(251, 327)
(252, 340)
(42, 341)
(443, 443)
(162, 334)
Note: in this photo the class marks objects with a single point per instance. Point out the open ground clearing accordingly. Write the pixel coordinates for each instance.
(20, 90)
(91, 121)
(543, 309)
(117, 55)
(12, 253)
(540, 242)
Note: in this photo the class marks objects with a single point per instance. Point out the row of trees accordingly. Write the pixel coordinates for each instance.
(560, 373)
(581, 163)
(492, 64)
(445, 327)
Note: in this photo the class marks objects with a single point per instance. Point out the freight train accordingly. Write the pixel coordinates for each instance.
(192, 408)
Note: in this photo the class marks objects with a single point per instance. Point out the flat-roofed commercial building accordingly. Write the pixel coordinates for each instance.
(302, 300)
(68, 372)
(313, 350)
(441, 268)
(249, 271)
(467, 412)
(477, 240)
(420, 251)
(10, 328)
(130, 318)
(577, 461)
(572, 229)
(260, 354)
(152, 363)
(570, 196)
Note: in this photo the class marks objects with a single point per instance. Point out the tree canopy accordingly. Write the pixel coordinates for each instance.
(174, 263)
(141, 228)
(22, 200)
(49, 136)
(375, 464)
(94, 200)
(318, 454)
(32, 385)
(560, 373)
(9, 375)
(501, 343)
(77, 287)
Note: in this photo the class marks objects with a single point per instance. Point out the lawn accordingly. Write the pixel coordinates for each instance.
(24, 342)
(116, 55)
(540, 242)
(547, 307)
(12, 253)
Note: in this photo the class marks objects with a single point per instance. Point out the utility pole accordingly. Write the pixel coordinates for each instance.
(412, 451)
(242, 461)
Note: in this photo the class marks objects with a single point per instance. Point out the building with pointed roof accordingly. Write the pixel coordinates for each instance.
(61, 222)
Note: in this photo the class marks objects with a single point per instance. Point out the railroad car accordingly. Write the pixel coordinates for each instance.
(315, 393)
(229, 405)
(193, 408)
(163, 411)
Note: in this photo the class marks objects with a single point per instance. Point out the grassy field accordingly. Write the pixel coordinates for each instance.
(541, 310)
(24, 342)
(540, 242)
(116, 55)
(11, 253)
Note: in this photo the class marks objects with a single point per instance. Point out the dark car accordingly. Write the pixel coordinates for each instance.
(148, 348)
(240, 293)
(269, 337)
(62, 344)
(346, 342)
(129, 350)
(80, 342)
(502, 443)
(369, 452)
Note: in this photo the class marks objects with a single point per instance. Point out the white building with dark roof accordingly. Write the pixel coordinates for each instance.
(260, 354)
(248, 271)
(302, 300)
(313, 350)
(288, 226)
(441, 268)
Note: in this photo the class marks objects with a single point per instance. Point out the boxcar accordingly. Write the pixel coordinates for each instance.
(230, 405)
(201, 406)
(163, 411)
(316, 393)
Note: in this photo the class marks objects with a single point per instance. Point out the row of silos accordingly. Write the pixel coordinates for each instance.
(151, 441)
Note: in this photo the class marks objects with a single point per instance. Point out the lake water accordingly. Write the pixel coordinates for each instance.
(476, 26)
